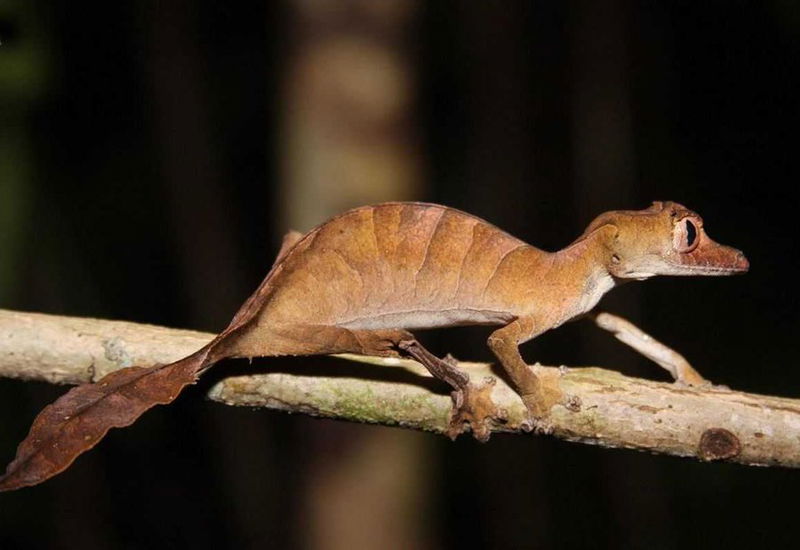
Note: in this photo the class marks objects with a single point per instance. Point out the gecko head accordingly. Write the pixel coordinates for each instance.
(664, 239)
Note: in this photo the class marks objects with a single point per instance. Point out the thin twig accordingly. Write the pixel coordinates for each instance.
(628, 333)
(602, 407)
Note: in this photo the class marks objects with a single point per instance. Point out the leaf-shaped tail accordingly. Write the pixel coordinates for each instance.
(78, 420)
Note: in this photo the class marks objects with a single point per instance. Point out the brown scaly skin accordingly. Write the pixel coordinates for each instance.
(361, 281)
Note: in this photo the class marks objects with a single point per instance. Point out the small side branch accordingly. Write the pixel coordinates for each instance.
(603, 407)
(669, 359)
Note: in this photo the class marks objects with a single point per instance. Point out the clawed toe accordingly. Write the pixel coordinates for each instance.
(540, 426)
(537, 420)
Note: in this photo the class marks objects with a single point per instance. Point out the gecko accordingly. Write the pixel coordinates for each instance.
(363, 281)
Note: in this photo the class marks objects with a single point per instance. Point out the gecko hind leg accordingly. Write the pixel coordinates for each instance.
(472, 403)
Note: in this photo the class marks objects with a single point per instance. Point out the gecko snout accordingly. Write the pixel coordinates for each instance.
(741, 264)
(733, 261)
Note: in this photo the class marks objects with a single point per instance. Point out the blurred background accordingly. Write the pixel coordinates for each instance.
(152, 154)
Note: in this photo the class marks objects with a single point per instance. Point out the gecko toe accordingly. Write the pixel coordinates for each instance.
(502, 415)
(538, 418)
(543, 426)
(526, 425)
(539, 426)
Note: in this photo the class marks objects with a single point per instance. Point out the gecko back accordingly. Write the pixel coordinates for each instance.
(394, 265)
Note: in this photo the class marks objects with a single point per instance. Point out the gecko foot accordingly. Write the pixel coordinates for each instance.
(473, 407)
(537, 420)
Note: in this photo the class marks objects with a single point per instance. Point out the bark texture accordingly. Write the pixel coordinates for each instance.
(603, 407)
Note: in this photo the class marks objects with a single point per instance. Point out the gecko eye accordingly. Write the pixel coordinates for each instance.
(685, 235)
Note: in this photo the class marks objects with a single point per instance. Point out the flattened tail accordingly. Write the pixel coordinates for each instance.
(79, 419)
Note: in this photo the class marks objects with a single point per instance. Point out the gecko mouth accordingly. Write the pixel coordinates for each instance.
(714, 270)
(720, 260)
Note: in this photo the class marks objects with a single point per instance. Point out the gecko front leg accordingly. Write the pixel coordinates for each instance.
(537, 394)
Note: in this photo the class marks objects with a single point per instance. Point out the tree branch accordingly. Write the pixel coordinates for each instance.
(603, 408)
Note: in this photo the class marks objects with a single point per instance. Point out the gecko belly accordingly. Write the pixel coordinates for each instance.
(422, 319)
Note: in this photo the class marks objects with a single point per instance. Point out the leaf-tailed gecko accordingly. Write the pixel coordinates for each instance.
(362, 281)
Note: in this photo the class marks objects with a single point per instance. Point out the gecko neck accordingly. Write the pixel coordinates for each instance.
(584, 263)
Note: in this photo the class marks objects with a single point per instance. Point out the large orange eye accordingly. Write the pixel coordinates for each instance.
(686, 235)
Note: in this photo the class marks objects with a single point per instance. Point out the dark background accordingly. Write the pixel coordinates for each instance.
(140, 169)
